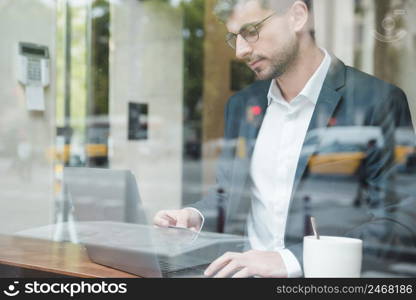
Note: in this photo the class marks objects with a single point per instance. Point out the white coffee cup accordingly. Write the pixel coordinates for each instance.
(332, 257)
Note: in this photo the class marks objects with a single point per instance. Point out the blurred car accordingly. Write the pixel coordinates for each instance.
(405, 144)
(342, 159)
(341, 150)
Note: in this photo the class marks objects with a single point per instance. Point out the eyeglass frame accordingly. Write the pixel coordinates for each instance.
(230, 35)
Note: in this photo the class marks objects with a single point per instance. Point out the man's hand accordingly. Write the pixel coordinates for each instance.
(248, 264)
(186, 218)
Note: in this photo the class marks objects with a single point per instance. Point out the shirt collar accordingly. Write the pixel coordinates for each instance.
(313, 87)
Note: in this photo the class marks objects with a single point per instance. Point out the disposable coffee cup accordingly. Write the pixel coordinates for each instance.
(332, 257)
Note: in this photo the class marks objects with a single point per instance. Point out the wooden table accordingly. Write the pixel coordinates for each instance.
(28, 257)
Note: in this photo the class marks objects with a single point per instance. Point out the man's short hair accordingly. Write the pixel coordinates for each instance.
(224, 8)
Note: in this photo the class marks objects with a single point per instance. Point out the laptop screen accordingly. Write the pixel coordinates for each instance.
(103, 195)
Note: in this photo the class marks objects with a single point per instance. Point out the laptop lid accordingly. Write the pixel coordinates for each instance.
(103, 195)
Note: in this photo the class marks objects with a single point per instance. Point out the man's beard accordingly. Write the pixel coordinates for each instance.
(280, 62)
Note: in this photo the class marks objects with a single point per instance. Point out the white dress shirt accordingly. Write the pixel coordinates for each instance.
(274, 165)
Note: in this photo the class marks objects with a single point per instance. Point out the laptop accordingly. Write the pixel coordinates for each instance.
(112, 224)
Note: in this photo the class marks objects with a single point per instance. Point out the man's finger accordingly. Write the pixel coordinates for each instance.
(162, 222)
(163, 219)
(218, 264)
(243, 273)
(231, 268)
(182, 219)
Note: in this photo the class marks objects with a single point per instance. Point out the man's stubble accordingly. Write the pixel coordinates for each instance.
(281, 61)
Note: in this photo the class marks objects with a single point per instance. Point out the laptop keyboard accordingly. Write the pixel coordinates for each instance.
(166, 267)
(195, 272)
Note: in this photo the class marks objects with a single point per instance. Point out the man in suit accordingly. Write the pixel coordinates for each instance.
(269, 141)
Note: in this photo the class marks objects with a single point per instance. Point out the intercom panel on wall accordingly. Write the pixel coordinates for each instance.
(33, 73)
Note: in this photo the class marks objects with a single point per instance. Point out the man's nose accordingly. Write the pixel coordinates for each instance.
(242, 48)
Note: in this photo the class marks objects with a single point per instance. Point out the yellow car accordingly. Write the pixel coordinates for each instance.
(337, 159)
(346, 159)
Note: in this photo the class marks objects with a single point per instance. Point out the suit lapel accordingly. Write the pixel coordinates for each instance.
(256, 108)
(325, 108)
(257, 105)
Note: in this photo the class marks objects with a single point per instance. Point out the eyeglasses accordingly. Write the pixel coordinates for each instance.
(249, 32)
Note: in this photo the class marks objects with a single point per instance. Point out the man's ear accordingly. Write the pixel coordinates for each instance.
(299, 15)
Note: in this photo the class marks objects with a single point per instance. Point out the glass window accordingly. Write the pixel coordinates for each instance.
(152, 89)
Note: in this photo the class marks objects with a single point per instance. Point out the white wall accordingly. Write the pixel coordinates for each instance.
(146, 66)
(25, 188)
(334, 25)
(368, 45)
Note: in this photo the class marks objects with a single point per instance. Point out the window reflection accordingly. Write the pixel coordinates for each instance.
(143, 86)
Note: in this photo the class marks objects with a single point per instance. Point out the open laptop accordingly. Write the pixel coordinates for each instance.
(111, 223)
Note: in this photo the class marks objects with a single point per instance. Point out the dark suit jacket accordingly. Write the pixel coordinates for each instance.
(348, 98)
